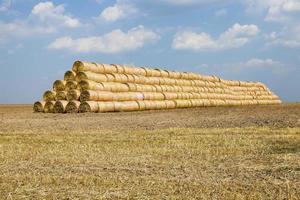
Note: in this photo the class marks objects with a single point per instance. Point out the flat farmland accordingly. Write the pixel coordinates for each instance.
(250, 152)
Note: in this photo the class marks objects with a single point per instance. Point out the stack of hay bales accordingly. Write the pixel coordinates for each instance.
(93, 87)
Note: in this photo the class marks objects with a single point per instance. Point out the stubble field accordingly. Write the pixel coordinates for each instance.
(248, 152)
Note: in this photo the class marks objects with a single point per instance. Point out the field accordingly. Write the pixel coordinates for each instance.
(248, 152)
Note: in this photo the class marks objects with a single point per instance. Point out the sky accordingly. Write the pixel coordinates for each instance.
(250, 40)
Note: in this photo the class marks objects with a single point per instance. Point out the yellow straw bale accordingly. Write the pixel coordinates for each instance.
(39, 106)
(60, 106)
(73, 107)
(49, 107)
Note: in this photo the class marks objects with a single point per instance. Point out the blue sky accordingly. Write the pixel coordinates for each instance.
(235, 39)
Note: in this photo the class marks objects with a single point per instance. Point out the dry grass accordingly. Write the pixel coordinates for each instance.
(175, 163)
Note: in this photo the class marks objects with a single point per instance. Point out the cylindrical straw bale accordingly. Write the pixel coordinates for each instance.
(129, 96)
(71, 85)
(130, 78)
(126, 106)
(132, 87)
(182, 103)
(61, 95)
(73, 95)
(162, 73)
(89, 106)
(158, 88)
(73, 107)
(59, 85)
(39, 106)
(49, 107)
(120, 68)
(142, 105)
(170, 95)
(150, 105)
(91, 76)
(60, 106)
(160, 105)
(69, 76)
(106, 107)
(174, 75)
(120, 78)
(170, 104)
(153, 96)
(49, 96)
(92, 95)
(90, 85)
(108, 68)
(115, 87)
(87, 66)
(110, 78)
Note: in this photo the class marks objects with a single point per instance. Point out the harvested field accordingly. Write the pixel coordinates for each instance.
(250, 152)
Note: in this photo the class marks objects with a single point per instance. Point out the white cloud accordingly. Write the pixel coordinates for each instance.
(276, 10)
(5, 5)
(236, 36)
(48, 12)
(114, 42)
(21, 29)
(289, 37)
(260, 63)
(189, 2)
(118, 11)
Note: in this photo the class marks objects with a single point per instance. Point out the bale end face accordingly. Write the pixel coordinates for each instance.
(38, 106)
(73, 107)
(77, 65)
(60, 106)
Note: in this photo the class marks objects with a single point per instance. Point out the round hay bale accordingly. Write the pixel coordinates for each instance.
(130, 70)
(61, 95)
(162, 73)
(86, 66)
(184, 75)
(39, 106)
(170, 95)
(126, 106)
(170, 104)
(130, 78)
(142, 105)
(129, 96)
(73, 95)
(106, 107)
(110, 68)
(49, 96)
(73, 107)
(153, 96)
(69, 76)
(160, 105)
(120, 78)
(132, 87)
(71, 85)
(150, 105)
(110, 78)
(89, 95)
(158, 88)
(60, 106)
(49, 107)
(91, 76)
(182, 103)
(174, 75)
(90, 85)
(88, 106)
(120, 68)
(59, 85)
(115, 87)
